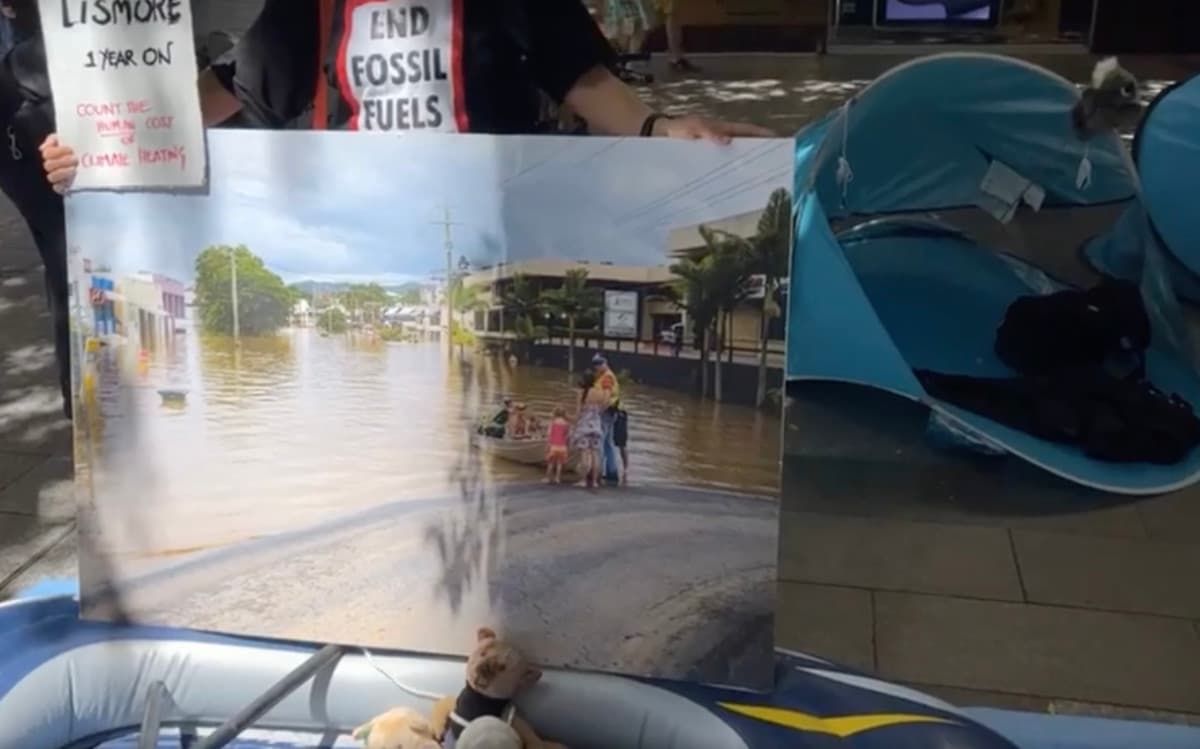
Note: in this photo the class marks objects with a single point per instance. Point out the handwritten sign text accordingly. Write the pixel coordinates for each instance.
(123, 73)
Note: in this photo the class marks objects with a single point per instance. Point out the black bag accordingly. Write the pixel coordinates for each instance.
(1075, 328)
(1133, 421)
(1111, 419)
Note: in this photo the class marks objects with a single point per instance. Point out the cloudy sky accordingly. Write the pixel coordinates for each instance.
(342, 206)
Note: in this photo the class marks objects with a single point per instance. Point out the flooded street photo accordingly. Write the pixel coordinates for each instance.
(310, 427)
(395, 446)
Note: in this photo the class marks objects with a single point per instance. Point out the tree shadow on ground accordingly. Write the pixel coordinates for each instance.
(785, 93)
(36, 503)
(467, 539)
(38, 518)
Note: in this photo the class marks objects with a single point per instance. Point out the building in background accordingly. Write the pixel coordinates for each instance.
(744, 325)
(655, 310)
(303, 314)
(1048, 26)
(174, 301)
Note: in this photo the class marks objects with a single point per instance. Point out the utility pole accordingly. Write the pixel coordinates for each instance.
(448, 312)
(233, 290)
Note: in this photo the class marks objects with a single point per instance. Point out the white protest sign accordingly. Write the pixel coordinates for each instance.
(123, 74)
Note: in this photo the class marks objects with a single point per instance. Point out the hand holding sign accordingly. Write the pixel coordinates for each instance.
(124, 79)
(60, 163)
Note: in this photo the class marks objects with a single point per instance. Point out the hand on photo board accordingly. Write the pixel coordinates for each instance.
(694, 127)
(61, 162)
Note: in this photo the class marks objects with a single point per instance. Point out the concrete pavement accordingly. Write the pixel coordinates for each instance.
(1085, 612)
(784, 92)
(560, 562)
(986, 580)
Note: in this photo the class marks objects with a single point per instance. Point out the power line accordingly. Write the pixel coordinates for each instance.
(726, 193)
(554, 156)
(539, 164)
(700, 181)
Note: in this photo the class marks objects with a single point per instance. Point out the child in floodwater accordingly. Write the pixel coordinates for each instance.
(518, 425)
(556, 445)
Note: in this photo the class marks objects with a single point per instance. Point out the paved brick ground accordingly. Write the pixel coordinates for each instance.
(984, 593)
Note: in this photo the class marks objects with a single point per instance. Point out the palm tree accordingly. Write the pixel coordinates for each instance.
(691, 294)
(709, 287)
(770, 255)
(728, 258)
(523, 302)
(573, 300)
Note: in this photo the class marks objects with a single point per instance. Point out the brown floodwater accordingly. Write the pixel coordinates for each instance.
(284, 432)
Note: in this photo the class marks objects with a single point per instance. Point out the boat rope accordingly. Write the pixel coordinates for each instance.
(418, 693)
(845, 175)
(1083, 177)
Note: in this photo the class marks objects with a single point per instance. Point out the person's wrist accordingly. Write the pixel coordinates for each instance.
(653, 124)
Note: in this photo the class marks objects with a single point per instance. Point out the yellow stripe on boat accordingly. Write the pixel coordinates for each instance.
(842, 726)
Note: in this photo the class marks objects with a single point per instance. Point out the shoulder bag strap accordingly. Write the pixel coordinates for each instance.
(320, 110)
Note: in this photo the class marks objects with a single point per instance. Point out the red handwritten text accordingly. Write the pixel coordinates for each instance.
(101, 109)
(164, 156)
(98, 160)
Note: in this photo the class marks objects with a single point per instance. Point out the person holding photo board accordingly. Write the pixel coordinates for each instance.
(445, 66)
(27, 114)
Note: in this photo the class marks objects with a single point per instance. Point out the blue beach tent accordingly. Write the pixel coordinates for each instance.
(1166, 150)
(925, 206)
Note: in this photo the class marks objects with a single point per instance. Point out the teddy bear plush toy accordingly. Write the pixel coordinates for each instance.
(398, 728)
(496, 673)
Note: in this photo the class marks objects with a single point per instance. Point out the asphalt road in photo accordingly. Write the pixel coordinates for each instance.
(657, 580)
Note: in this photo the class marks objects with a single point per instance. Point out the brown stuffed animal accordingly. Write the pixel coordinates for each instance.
(496, 673)
(398, 728)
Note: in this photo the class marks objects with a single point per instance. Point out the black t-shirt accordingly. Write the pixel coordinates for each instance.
(397, 65)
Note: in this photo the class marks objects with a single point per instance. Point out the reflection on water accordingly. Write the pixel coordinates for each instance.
(282, 432)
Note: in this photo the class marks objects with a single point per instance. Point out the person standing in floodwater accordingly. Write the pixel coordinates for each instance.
(588, 433)
(435, 66)
(607, 383)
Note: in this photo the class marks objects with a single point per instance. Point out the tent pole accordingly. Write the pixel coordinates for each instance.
(230, 729)
(156, 695)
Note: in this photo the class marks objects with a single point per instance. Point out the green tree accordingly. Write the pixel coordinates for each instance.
(711, 286)
(573, 300)
(691, 293)
(296, 293)
(729, 268)
(522, 303)
(409, 295)
(365, 300)
(264, 302)
(766, 254)
(464, 300)
(332, 320)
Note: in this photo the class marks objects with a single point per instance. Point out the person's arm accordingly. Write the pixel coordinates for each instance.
(573, 62)
(611, 107)
(272, 70)
(217, 104)
(607, 104)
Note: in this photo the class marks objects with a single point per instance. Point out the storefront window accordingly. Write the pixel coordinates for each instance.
(960, 21)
